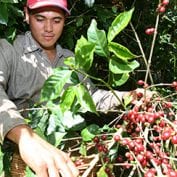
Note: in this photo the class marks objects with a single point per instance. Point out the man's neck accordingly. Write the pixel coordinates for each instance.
(51, 54)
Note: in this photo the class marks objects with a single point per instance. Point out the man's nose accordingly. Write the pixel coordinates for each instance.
(48, 26)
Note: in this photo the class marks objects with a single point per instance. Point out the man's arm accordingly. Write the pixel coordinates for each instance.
(44, 159)
(9, 116)
(106, 101)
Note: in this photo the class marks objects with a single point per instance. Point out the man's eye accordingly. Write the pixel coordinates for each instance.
(57, 20)
(39, 19)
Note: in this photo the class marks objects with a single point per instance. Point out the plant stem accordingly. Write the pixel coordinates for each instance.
(91, 166)
(141, 49)
(152, 48)
(105, 84)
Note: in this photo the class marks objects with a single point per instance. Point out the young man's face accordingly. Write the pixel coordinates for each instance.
(46, 25)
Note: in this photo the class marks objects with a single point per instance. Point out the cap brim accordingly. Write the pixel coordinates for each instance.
(47, 4)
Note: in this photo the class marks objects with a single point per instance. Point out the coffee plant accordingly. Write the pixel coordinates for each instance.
(141, 137)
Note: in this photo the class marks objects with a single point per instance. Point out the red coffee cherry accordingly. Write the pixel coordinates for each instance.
(149, 173)
(166, 135)
(140, 82)
(168, 105)
(165, 2)
(172, 173)
(150, 31)
(174, 139)
(161, 9)
(96, 139)
(104, 137)
(174, 84)
(116, 138)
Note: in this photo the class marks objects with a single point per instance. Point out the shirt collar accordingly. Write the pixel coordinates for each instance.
(31, 45)
(59, 50)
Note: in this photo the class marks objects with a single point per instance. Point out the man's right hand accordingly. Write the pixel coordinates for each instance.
(43, 158)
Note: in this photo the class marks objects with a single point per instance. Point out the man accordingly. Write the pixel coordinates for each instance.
(24, 67)
(23, 70)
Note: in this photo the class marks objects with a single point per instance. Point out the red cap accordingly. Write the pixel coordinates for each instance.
(34, 4)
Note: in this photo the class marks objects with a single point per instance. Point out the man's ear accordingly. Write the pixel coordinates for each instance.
(26, 15)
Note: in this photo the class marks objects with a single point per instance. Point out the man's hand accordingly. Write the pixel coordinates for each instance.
(43, 158)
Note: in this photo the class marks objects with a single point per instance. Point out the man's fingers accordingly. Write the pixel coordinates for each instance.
(73, 168)
(67, 168)
(42, 173)
(53, 171)
(70, 164)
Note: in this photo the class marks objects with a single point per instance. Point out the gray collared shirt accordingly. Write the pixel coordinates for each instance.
(24, 67)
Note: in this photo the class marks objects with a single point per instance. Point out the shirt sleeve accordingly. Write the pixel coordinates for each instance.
(9, 115)
(106, 101)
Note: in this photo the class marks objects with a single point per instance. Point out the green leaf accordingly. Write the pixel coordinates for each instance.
(55, 119)
(38, 118)
(1, 161)
(86, 135)
(79, 21)
(11, 33)
(70, 61)
(175, 105)
(56, 138)
(119, 23)
(85, 99)
(98, 37)
(53, 122)
(67, 98)
(3, 14)
(83, 149)
(101, 172)
(120, 67)
(127, 100)
(43, 121)
(113, 151)
(89, 3)
(73, 121)
(9, 1)
(29, 172)
(84, 51)
(54, 84)
(120, 51)
(75, 78)
(89, 132)
(40, 133)
(118, 79)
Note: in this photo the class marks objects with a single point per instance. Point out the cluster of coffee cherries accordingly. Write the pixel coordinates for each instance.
(160, 9)
(101, 145)
(146, 137)
(151, 135)
(162, 6)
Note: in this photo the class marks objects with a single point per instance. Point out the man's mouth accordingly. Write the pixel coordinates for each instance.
(48, 37)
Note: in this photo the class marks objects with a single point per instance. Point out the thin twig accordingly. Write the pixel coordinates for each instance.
(91, 166)
(105, 83)
(152, 48)
(132, 171)
(142, 51)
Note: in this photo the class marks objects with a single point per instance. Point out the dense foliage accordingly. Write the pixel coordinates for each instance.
(116, 44)
(82, 12)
